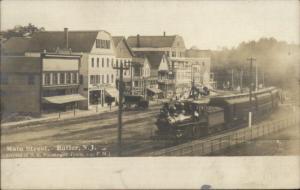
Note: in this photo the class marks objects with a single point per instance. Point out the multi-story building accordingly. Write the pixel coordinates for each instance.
(161, 78)
(60, 82)
(124, 56)
(21, 85)
(172, 46)
(203, 59)
(97, 51)
(40, 84)
(137, 69)
(140, 75)
(184, 66)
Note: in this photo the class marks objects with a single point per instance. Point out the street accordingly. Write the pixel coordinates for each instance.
(90, 136)
(99, 131)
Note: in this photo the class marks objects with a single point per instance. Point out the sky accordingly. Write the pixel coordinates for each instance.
(204, 24)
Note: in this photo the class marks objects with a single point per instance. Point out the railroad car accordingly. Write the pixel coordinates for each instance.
(190, 119)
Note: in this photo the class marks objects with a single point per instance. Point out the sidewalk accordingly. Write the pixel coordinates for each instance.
(67, 115)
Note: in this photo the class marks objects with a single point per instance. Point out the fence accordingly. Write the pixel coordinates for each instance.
(212, 144)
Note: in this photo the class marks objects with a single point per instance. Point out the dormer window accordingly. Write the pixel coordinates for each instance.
(103, 44)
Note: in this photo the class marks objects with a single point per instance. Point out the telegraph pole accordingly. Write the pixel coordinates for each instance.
(263, 79)
(232, 79)
(131, 79)
(121, 92)
(256, 77)
(144, 87)
(251, 59)
(193, 82)
(241, 80)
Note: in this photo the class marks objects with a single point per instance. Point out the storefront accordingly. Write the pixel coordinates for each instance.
(103, 96)
(154, 93)
(61, 103)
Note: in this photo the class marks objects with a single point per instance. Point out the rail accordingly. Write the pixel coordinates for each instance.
(219, 142)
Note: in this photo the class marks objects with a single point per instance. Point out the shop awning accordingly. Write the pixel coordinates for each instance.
(154, 90)
(63, 99)
(113, 92)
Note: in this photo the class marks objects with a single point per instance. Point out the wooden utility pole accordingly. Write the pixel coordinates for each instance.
(256, 77)
(144, 87)
(193, 82)
(263, 78)
(232, 79)
(241, 80)
(121, 92)
(131, 78)
(251, 59)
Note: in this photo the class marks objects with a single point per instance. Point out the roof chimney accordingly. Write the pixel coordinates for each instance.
(164, 33)
(66, 38)
(138, 40)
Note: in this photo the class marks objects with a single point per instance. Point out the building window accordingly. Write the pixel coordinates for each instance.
(98, 43)
(4, 79)
(92, 62)
(62, 78)
(105, 44)
(81, 79)
(97, 61)
(103, 79)
(107, 79)
(112, 62)
(173, 53)
(107, 62)
(55, 78)
(97, 79)
(74, 78)
(203, 64)
(112, 78)
(68, 78)
(47, 78)
(31, 79)
(92, 79)
(102, 62)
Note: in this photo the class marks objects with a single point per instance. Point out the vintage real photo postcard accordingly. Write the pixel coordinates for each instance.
(170, 82)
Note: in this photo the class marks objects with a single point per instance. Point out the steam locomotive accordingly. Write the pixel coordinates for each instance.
(191, 119)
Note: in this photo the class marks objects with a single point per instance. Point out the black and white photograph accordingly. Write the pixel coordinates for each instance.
(149, 79)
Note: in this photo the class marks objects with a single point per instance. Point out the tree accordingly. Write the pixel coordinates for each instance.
(276, 59)
(21, 31)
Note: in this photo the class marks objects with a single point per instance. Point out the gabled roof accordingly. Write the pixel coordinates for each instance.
(154, 58)
(79, 41)
(118, 39)
(151, 41)
(15, 46)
